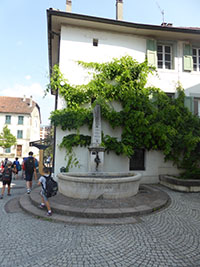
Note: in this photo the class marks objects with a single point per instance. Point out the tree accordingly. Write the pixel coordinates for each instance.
(6, 138)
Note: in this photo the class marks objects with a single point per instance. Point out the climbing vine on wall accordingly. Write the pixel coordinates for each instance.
(149, 119)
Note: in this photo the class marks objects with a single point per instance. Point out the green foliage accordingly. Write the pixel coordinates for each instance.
(149, 119)
(6, 138)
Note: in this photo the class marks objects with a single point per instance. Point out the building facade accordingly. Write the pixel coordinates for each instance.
(174, 51)
(22, 116)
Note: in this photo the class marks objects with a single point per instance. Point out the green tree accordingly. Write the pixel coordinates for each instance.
(6, 138)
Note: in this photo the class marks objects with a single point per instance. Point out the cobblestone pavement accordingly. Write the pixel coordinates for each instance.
(166, 238)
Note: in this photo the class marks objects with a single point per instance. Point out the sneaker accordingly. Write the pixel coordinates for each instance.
(49, 213)
(1, 197)
(41, 206)
(28, 191)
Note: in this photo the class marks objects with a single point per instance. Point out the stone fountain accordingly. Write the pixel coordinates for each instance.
(96, 183)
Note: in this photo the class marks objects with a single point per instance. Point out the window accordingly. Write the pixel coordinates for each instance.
(196, 59)
(7, 150)
(164, 54)
(21, 120)
(95, 42)
(19, 134)
(160, 55)
(137, 160)
(8, 119)
(197, 106)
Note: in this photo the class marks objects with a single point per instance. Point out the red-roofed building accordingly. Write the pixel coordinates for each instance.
(22, 116)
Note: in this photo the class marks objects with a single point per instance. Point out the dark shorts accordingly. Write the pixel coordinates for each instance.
(29, 176)
(6, 182)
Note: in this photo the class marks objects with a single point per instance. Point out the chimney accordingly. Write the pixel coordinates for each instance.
(24, 99)
(119, 9)
(69, 5)
(31, 101)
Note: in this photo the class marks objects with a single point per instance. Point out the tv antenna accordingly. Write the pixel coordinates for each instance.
(162, 12)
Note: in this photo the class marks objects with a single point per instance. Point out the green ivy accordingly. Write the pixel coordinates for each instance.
(149, 119)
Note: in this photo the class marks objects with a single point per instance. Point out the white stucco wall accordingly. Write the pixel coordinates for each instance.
(31, 132)
(77, 44)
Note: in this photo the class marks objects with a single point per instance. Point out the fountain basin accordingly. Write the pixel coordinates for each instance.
(107, 185)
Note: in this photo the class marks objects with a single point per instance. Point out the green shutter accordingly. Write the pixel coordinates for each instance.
(188, 61)
(189, 103)
(152, 53)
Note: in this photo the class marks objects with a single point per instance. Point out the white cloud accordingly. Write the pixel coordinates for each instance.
(19, 90)
(28, 77)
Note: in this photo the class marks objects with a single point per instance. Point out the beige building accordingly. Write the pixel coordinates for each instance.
(22, 116)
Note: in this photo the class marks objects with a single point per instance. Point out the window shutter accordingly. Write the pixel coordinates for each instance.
(189, 103)
(152, 53)
(188, 61)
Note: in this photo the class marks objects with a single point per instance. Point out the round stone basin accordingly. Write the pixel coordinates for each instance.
(107, 185)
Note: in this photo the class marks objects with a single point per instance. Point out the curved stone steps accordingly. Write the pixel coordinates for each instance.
(149, 199)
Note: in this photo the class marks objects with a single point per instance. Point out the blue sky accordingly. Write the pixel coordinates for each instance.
(23, 46)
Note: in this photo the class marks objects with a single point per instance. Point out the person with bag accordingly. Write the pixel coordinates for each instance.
(6, 178)
(29, 166)
(44, 199)
(17, 167)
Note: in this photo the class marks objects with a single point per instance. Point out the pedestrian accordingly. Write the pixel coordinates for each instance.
(5, 162)
(7, 178)
(44, 199)
(17, 167)
(29, 166)
(48, 161)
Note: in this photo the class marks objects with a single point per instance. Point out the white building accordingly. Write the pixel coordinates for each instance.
(175, 51)
(22, 116)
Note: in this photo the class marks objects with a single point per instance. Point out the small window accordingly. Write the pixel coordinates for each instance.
(19, 134)
(95, 42)
(196, 59)
(137, 160)
(164, 53)
(7, 150)
(8, 119)
(197, 106)
(21, 120)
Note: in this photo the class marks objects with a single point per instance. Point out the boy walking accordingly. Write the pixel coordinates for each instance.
(6, 178)
(44, 199)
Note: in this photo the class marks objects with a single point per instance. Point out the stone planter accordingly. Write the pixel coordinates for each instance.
(108, 185)
(180, 185)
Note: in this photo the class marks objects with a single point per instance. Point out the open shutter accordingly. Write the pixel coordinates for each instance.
(152, 53)
(188, 61)
(189, 103)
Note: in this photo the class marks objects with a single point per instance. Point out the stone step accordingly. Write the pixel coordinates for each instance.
(149, 199)
(27, 205)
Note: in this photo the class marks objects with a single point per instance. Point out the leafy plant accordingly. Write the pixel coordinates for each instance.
(149, 119)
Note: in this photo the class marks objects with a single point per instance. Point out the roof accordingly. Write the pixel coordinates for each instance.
(17, 105)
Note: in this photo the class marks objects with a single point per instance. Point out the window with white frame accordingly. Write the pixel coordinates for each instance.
(19, 134)
(164, 55)
(21, 120)
(8, 119)
(197, 106)
(196, 59)
(7, 150)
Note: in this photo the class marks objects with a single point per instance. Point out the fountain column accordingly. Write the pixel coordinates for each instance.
(95, 150)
